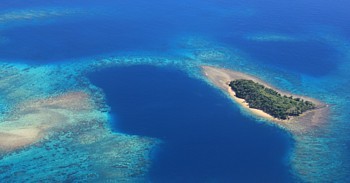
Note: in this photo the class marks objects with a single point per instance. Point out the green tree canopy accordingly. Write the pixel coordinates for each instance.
(269, 100)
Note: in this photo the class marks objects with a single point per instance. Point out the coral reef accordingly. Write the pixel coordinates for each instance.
(271, 37)
(55, 128)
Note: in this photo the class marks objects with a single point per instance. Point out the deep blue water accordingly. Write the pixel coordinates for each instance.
(298, 56)
(205, 136)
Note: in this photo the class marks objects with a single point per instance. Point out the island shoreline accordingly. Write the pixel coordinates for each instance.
(221, 77)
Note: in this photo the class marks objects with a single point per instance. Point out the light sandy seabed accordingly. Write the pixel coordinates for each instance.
(221, 77)
(32, 120)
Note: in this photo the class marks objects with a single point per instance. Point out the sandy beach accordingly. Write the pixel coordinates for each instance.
(221, 77)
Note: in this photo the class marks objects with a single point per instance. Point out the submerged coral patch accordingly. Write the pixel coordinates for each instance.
(34, 14)
(34, 120)
(270, 37)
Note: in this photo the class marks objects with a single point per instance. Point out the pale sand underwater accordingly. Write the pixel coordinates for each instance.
(33, 120)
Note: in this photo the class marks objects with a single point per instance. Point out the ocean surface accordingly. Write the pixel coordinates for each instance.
(143, 58)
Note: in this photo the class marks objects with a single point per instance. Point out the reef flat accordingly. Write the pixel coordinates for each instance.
(31, 121)
(55, 126)
(222, 77)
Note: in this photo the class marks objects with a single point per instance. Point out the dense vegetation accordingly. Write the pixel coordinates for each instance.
(269, 100)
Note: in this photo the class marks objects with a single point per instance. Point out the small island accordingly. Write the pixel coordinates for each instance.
(296, 113)
(268, 100)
